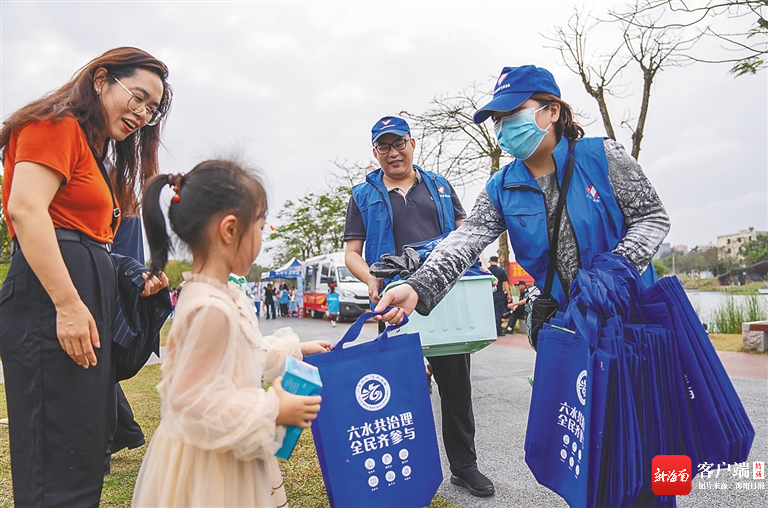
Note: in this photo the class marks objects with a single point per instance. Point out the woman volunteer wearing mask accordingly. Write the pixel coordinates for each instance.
(610, 205)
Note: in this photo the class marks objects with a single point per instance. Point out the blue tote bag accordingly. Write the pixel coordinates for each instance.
(556, 440)
(594, 341)
(722, 432)
(375, 434)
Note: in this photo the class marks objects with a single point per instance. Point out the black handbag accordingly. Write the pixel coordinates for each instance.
(544, 307)
(137, 321)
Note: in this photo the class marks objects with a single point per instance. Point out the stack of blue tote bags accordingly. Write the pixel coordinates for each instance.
(625, 374)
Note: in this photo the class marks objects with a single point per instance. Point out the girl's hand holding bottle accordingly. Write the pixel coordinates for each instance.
(299, 410)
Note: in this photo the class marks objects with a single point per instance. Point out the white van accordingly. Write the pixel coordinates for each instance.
(318, 272)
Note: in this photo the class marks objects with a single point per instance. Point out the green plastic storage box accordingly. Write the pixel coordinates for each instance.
(463, 322)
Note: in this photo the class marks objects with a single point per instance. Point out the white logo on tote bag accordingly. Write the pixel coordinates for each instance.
(372, 392)
(581, 387)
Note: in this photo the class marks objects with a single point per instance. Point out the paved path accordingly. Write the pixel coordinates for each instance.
(749, 365)
(501, 395)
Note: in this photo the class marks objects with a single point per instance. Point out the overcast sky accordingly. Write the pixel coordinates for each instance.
(295, 85)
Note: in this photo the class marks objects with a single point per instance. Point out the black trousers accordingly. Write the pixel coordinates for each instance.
(127, 431)
(270, 311)
(56, 409)
(452, 374)
(499, 305)
(518, 313)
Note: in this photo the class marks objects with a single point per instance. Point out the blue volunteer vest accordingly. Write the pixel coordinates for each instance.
(372, 199)
(597, 220)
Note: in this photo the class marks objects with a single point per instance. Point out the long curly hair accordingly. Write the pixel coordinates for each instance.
(134, 160)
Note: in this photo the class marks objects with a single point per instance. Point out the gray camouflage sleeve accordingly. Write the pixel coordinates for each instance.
(647, 221)
(448, 262)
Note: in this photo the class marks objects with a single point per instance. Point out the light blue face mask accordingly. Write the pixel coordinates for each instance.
(518, 134)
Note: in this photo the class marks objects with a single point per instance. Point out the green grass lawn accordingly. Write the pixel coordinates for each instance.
(164, 332)
(726, 342)
(303, 480)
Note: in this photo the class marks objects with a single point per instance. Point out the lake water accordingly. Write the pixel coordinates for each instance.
(705, 302)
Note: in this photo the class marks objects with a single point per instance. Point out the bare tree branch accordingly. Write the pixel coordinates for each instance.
(642, 45)
(451, 143)
(707, 18)
(347, 174)
(454, 146)
(652, 49)
(597, 72)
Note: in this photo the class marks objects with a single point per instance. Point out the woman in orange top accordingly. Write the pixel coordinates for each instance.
(58, 300)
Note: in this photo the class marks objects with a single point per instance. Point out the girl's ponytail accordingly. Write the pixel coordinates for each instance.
(154, 224)
(212, 187)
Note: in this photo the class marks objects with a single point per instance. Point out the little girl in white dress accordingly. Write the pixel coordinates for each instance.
(220, 429)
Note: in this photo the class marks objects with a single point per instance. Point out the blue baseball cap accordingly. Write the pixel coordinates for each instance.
(515, 86)
(389, 125)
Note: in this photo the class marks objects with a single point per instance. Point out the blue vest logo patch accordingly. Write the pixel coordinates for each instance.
(592, 193)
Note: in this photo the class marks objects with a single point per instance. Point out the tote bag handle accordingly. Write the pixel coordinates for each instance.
(354, 331)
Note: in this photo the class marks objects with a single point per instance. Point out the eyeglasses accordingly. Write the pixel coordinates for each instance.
(383, 148)
(138, 106)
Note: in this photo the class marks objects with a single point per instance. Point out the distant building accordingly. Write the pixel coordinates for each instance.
(681, 249)
(728, 246)
(664, 249)
(704, 248)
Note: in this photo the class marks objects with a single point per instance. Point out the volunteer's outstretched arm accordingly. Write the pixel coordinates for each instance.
(448, 262)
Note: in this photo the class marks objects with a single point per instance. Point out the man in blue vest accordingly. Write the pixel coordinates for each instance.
(397, 205)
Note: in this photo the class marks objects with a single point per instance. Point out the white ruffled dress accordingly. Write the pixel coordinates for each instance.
(217, 439)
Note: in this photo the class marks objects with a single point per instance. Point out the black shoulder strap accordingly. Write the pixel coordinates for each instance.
(558, 216)
(100, 163)
(115, 208)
